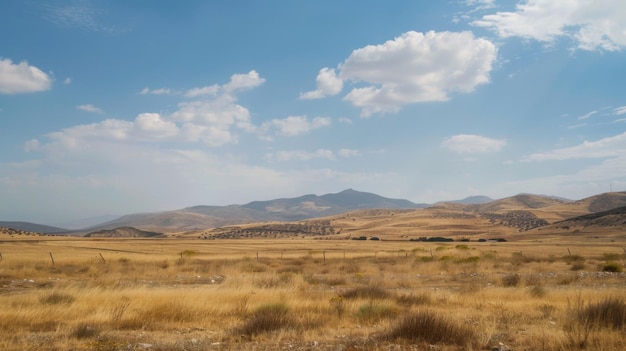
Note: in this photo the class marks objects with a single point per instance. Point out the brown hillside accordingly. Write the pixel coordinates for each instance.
(515, 203)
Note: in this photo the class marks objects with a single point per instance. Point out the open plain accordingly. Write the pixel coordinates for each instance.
(301, 293)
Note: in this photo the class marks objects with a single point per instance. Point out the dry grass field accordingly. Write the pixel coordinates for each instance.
(306, 294)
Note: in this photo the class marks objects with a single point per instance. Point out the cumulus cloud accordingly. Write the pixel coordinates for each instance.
(22, 78)
(472, 144)
(244, 81)
(237, 82)
(296, 125)
(591, 24)
(328, 84)
(614, 146)
(210, 90)
(414, 67)
(90, 108)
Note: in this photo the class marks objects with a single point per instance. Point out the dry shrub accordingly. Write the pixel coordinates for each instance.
(414, 299)
(373, 312)
(511, 280)
(612, 267)
(366, 292)
(84, 331)
(267, 318)
(57, 298)
(290, 269)
(430, 327)
(538, 291)
(610, 312)
(586, 320)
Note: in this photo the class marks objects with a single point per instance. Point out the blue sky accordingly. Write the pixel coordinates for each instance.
(116, 107)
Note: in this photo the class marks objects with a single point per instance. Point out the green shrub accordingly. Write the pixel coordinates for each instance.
(427, 326)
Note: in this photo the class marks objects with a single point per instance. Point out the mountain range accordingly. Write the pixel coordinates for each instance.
(524, 211)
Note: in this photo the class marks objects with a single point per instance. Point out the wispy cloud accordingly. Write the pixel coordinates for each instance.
(619, 110)
(81, 15)
(587, 115)
(160, 91)
(614, 146)
(472, 144)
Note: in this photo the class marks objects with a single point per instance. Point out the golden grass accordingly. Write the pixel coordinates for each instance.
(303, 294)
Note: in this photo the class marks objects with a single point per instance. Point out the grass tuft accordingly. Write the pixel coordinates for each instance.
(366, 292)
(57, 298)
(267, 318)
(427, 326)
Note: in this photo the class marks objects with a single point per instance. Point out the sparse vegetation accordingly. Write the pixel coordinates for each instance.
(255, 296)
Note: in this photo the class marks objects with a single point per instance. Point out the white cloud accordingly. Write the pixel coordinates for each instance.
(328, 84)
(299, 155)
(210, 90)
(90, 108)
(619, 110)
(417, 67)
(345, 120)
(244, 81)
(592, 24)
(237, 82)
(160, 91)
(296, 125)
(472, 144)
(22, 78)
(587, 115)
(614, 146)
(67, 81)
(153, 126)
(348, 153)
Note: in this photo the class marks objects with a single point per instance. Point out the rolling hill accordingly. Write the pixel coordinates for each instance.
(284, 209)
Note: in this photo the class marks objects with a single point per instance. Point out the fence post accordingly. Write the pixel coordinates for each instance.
(52, 258)
(102, 257)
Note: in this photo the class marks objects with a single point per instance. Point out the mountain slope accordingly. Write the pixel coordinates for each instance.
(32, 227)
(280, 210)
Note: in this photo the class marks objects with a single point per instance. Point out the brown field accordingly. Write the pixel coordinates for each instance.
(563, 293)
